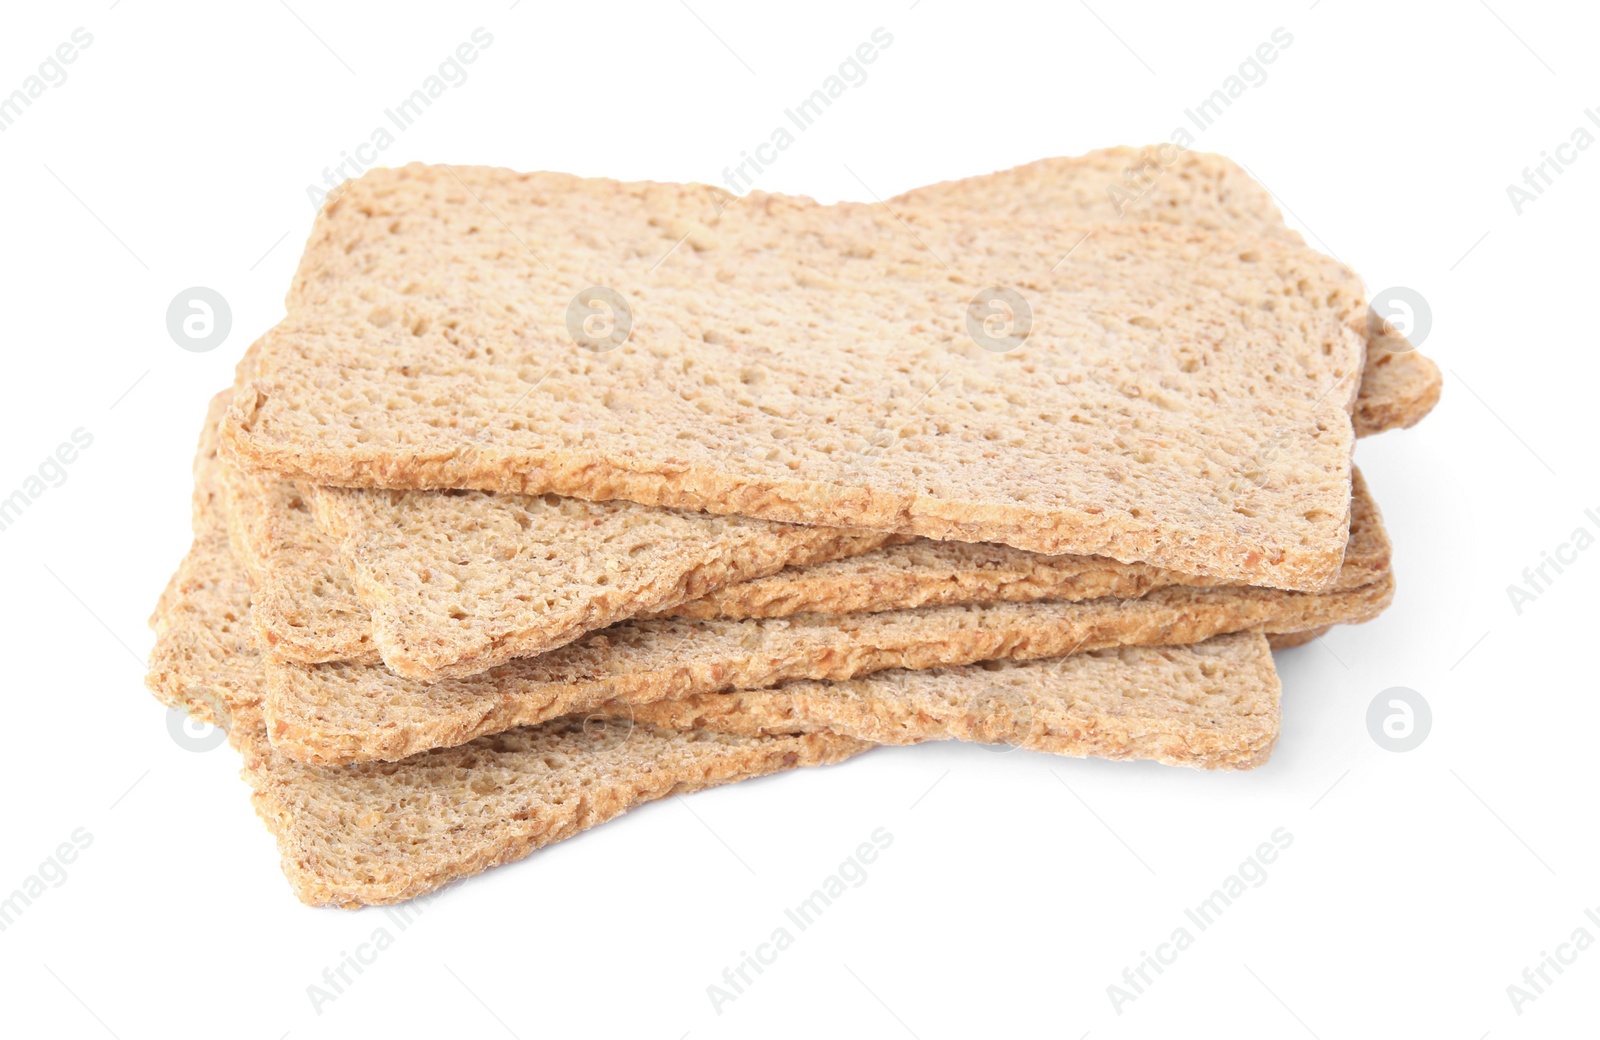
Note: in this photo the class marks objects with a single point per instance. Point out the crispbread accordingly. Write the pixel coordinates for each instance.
(384, 833)
(1172, 185)
(1213, 705)
(458, 582)
(784, 365)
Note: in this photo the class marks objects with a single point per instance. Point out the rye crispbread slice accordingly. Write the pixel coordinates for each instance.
(1166, 184)
(387, 832)
(1218, 371)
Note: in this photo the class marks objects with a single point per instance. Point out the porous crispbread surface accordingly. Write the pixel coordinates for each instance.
(927, 573)
(302, 605)
(383, 833)
(1183, 397)
(458, 582)
(1213, 705)
(1166, 184)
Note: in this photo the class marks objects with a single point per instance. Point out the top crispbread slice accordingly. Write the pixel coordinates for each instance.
(1168, 184)
(1182, 397)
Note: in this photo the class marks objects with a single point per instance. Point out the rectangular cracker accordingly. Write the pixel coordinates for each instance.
(1182, 397)
(1166, 184)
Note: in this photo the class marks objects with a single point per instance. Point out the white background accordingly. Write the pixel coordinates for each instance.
(1018, 886)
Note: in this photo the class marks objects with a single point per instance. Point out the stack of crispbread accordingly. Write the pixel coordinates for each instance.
(472, 573)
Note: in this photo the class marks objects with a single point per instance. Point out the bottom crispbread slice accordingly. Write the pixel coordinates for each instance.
(1212, 705)
(385, 833)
